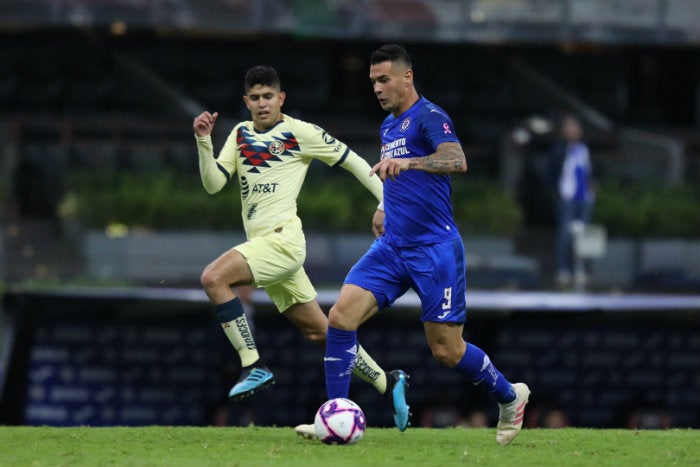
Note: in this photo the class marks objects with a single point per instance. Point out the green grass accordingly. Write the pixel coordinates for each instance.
(270, 447)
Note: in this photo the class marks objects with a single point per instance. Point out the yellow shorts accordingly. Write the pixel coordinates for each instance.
(277, 263)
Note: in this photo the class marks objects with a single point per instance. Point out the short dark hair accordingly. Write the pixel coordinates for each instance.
(391, 53)
(263, 75)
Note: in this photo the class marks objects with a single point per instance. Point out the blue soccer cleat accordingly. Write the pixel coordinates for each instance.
(251, 381)
(397, 383)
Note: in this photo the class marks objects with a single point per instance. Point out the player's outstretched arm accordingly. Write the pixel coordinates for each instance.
(213, 178)
(448, 158)
(361, 170)
(204, 123)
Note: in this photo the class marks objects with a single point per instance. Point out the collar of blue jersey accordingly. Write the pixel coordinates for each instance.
(420, 98)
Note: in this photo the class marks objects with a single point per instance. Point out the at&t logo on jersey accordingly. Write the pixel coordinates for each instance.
(396, 148)
(258, 188)
(265, 187)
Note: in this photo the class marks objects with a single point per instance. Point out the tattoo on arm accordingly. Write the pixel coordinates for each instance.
(448, 158)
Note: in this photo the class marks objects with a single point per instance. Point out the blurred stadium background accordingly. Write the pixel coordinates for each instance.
(102, 244)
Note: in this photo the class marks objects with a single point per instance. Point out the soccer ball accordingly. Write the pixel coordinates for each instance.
(340, 421)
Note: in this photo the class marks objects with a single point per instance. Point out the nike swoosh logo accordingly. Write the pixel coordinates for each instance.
(485, 363)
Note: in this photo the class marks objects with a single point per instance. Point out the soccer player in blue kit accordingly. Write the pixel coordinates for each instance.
(420, 247)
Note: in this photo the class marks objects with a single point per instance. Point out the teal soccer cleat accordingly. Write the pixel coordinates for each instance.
(397, 383)
(251, 381)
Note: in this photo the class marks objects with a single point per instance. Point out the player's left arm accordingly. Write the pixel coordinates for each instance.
(333, 152)
(361, 170)
(323, 146)
(448, 158)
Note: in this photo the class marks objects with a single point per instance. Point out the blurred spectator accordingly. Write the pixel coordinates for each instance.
(649, 417)
(476, 419)
(555, 418)
(441, 416)
(571, 173)
(449, 415)
(546, 413)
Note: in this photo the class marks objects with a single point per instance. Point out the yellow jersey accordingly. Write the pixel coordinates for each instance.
(271, 167)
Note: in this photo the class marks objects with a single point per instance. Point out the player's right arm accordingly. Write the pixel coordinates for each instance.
(214, 172)
(447, 159)
(204, 123)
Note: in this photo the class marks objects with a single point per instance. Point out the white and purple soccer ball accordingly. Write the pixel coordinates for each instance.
(340, 421)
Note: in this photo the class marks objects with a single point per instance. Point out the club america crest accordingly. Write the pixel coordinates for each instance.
(276, 148)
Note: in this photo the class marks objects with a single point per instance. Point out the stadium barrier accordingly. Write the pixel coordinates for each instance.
(156, 356)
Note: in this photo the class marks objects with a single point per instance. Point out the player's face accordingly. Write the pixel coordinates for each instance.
(265, 105)
(571, 129)
(392, 84)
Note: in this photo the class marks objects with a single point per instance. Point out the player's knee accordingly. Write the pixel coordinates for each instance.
(316, 336)
(209, 278)
(339, 319)
(445, 356)
(206, 279)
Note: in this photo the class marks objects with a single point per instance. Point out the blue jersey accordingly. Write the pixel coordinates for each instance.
(417, 204)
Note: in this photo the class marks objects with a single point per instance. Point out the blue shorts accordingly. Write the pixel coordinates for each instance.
(435, 272)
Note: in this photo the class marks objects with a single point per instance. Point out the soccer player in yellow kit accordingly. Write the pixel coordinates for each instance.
(271, 154)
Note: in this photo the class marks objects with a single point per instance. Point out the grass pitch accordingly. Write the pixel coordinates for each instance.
(271, 447)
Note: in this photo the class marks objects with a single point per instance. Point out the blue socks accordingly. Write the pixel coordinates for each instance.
(341, 351)
(478, 367)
